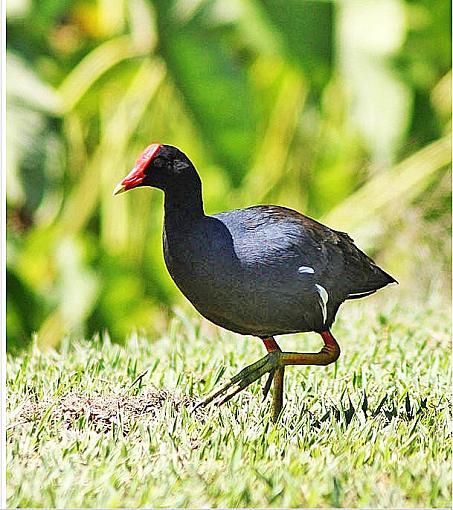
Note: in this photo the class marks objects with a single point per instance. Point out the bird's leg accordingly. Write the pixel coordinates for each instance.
(277, 393)
(328, 354)
(271, 346)
(277, 376)
(274, 361)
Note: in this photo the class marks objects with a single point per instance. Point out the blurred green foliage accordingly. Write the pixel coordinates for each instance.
(338, 109)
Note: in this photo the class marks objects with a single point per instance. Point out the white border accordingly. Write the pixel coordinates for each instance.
(3, 261)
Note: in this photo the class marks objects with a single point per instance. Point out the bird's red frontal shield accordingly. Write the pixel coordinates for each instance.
(137, 174)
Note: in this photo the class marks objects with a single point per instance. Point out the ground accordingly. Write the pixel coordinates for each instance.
(373, 430)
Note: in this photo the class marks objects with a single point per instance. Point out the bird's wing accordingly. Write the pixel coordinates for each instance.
(268, 233)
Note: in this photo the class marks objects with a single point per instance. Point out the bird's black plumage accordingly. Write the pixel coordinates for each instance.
(259, 270)
(264, 270)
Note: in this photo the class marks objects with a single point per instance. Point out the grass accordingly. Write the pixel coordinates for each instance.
(371, 431)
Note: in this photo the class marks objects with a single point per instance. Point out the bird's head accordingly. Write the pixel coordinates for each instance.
(160, 166)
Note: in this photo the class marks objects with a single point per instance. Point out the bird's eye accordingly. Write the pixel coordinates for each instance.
(158, 162)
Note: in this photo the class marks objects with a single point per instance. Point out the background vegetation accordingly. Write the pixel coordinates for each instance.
(338, 109)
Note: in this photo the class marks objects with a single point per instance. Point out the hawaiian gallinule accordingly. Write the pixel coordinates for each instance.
(262, 271)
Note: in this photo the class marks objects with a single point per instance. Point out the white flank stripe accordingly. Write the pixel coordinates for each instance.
(324, 297)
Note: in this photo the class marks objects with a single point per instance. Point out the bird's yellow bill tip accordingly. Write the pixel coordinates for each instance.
(119, 188)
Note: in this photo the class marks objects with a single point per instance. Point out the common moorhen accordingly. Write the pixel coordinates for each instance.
(264, 270)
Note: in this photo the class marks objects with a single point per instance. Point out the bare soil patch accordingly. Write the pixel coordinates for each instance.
(105, 411)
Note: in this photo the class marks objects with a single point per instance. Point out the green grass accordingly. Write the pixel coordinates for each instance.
(326, 450)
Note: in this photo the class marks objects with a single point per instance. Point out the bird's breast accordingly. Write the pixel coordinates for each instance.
(200, 265)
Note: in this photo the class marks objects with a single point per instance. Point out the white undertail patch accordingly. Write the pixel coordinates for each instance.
(323, 298)
(305, 269)
(359, 294)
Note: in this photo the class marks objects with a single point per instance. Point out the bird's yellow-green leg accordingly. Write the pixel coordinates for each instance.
(277, 376)
(277, 393)
(274, 361)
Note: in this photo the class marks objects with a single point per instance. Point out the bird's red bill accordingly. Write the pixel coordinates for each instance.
(137, 174)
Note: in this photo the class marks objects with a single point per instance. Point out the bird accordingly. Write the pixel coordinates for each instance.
(264, 270)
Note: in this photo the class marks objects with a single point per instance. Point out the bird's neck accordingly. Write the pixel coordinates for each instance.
(183, 206)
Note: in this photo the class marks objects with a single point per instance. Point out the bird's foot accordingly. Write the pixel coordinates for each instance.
(271, 364)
